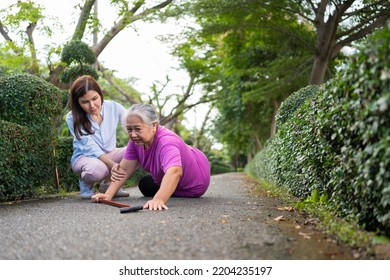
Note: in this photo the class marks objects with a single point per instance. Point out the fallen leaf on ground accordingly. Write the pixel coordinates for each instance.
(305, 235)
(286, 208)
(279, 218)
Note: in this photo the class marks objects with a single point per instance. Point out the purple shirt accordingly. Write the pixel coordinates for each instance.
(168, 150)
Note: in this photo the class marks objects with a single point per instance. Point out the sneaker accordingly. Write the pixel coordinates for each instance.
(85, 190)
(120, 193)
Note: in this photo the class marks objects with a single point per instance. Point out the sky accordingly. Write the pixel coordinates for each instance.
(137, 54)
(132, 53)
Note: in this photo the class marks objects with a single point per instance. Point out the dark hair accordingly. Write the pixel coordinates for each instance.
(79, 88)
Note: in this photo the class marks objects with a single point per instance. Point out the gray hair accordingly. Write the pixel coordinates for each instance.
(146, 112)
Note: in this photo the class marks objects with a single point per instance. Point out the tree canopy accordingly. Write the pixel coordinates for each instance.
(262, 51)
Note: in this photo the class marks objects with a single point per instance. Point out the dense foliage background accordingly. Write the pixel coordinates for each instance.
(336, 141)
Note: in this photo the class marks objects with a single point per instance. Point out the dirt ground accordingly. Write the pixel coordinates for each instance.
(309, 242)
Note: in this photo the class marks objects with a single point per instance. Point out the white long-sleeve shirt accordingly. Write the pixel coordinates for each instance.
(103, 140)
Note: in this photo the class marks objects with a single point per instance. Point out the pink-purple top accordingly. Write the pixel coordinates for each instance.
(168, 150)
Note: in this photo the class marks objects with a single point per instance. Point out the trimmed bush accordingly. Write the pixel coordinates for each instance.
(72, 72)
(29, 101)
(337, 143)
(77, 51)
(297, 157)
(64, 150)
(79, 57)
(263, 164)
(29, 108)
(19, 161)
(294, 101)
(356, 126)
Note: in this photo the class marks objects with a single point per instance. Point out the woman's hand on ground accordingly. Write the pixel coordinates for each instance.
(155, 204)
(98, 196)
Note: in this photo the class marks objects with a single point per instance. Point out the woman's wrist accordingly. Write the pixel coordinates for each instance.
(109, 195)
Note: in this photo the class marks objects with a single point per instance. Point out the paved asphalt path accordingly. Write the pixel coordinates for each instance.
(226, 223)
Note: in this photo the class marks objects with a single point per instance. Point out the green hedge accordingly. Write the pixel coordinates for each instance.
(69, 181)
(79, 58)
(356, 125)
(29, 109)
(218, 164)
(338, 142)
(29, 101)
(19, 161)
(293, 102)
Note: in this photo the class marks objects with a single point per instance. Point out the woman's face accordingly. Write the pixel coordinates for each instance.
(140, 132)
(91, 102)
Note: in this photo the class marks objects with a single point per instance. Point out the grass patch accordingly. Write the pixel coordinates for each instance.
(346, 230)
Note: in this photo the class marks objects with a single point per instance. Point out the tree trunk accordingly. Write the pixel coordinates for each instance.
(125, 21)
(83, 19)
(258, 144)
(199, 134)
(275, 107)
(169, 124)
(318, 71)
(249, 157)
(35, 64)
(95, 30)
(54, 77)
